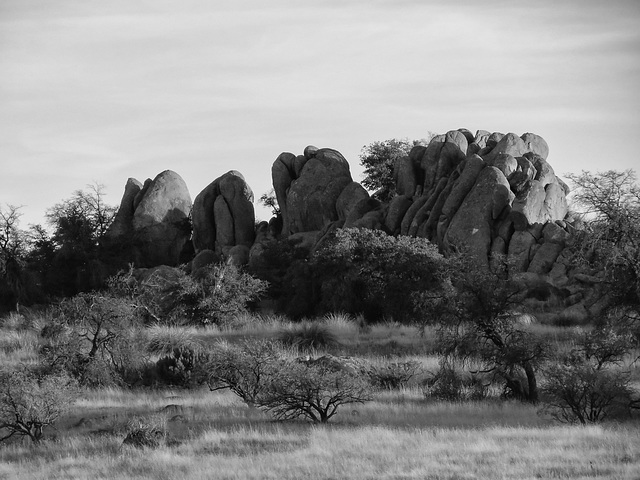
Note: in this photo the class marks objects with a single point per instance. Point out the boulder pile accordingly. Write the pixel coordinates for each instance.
(482, 193)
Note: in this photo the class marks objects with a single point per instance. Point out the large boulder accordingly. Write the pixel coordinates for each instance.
(308, 194)
(223, 215)
(161, 221)
(123, 222)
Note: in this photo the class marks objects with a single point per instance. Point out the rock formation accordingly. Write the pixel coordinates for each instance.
(223, 216)
(153, 218)
(484, 193)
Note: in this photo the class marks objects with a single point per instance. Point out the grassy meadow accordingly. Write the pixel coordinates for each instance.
(400, 434)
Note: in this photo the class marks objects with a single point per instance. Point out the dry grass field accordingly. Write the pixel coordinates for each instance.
(400, 434)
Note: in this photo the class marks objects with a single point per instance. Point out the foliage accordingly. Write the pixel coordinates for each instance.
(579, 391)
(29, 402)
(81, 221)
(269, 200)
(479, 324)
(607, 344)
(393, 375)
(610, 242)
(95, 338)
(369, 272)
(449, 384)
(379, 159)
(308, 336)
(218, 293)
(311, 391)
(245, 369)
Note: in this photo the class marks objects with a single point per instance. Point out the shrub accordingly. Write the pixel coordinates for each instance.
(312, 391)
(607, 344)
(446, 384)
(245, 369)
(143, 432)
(308, 336)
(393, 375)
(217, 294)
(362, 271)
(577, 391)
(30, 402)
(96, 339)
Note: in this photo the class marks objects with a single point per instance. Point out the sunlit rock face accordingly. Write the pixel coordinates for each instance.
(153, 220)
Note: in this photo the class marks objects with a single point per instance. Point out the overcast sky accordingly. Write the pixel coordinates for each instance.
(97, 90)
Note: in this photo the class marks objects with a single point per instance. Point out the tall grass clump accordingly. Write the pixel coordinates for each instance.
(308, 336)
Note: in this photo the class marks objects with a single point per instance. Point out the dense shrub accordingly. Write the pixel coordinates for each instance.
(362, 271)
(216, 294)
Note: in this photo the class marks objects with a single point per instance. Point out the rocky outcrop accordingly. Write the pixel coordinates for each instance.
(153, 220)
(160, 221)
(308, 186)
(223, 215)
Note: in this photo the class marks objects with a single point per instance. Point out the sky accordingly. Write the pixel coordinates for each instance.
(95, 91)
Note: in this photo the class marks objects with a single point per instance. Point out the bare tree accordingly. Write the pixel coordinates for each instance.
(29, 403)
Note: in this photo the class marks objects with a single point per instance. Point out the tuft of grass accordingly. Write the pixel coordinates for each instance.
(308, 336)
(164, 340)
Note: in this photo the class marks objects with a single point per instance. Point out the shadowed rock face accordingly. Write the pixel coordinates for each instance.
(223, 215)
(308, 187)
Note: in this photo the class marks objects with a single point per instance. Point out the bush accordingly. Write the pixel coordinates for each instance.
(577, 391)
(308, 336)
(450, 385)
(361, 271)
(312, 391)
(245, 369)
(217, 294)
(96, 339)
(149, 433)
(30, 402)
(394, 375)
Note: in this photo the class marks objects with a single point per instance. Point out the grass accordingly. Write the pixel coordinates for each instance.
(400, 434)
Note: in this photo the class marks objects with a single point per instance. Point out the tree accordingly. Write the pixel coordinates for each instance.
(95, 338)
(13, 249)
(29, 402)
(610, 242)
(81, 221)
(313, 391)
(577, 390)
(369, 272)
(245, 369)
(479, 323)
(378, 160)
(269, 200)
(79, 227)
